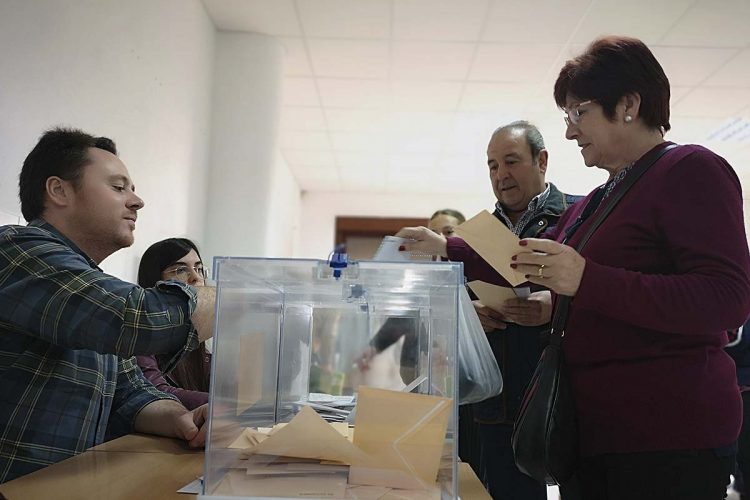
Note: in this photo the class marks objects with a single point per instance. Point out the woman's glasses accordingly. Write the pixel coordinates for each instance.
(573, 113)
(183, 272)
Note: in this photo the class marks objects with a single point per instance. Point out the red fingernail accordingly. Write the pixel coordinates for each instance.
(522, 243)
(401, 248)
(514, 257)
(513, 266)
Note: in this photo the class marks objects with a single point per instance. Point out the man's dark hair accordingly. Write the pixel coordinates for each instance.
(612, 67)
(533, 136)
(61, 152)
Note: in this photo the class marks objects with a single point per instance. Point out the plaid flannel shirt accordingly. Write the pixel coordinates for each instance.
(68, 332)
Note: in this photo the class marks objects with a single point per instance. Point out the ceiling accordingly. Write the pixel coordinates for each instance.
(402, 95)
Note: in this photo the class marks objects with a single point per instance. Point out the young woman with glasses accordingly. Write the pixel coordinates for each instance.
(177, 259)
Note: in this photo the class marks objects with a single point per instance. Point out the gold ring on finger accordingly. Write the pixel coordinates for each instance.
(540, 273)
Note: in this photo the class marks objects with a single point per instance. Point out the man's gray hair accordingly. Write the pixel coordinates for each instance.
(533, 136)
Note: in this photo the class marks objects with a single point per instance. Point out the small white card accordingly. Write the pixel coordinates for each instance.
(388, 250)
(195, 488)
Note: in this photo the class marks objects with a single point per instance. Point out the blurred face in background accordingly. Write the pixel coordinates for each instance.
(443, 224)
(189, 269)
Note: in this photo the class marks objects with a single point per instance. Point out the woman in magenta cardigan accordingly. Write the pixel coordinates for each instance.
(654, 290)
(176, 259)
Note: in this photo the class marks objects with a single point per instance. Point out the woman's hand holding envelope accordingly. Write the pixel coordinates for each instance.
(425, 241)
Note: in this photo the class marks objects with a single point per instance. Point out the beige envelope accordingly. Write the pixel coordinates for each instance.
(494, 242)
(249, 438)
(366, 492)
(403, 433)
(491, 295)
(309, 436)
(236, 482)
(250, 366)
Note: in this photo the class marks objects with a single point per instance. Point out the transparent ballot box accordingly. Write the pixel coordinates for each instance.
(333, 383)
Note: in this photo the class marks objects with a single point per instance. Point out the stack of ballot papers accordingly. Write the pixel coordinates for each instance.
(396, 452)
(331, 408)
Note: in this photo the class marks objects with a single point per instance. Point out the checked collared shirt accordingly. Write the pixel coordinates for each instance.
(535, 207)
(68, 332)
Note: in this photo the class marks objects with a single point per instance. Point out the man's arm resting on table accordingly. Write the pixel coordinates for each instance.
(203, 316)
(166, 417)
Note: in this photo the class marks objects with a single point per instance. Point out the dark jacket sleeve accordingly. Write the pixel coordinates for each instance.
(133, 393)
(92, 310)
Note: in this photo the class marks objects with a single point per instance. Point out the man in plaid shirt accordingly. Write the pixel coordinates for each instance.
(67, 377)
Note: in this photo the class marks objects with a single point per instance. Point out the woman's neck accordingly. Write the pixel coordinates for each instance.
(634, 149)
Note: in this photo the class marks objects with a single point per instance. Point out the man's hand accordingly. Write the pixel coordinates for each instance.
(166, 417)
(192, 426)
(536, 310)
(363, 360)
(203, 316)
(425, 241)
(491, 320)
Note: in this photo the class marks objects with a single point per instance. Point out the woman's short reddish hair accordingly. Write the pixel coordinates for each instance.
(612, 67)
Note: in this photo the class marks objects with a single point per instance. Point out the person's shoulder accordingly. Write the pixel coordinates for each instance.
(39, 243)
(568, 198)
(30, 233)
(694, 160)
(688, 153)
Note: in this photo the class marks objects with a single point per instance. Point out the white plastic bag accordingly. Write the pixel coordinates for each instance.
(478, 374)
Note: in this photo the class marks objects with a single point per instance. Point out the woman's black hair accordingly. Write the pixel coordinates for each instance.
(190, 371)
(161, 255)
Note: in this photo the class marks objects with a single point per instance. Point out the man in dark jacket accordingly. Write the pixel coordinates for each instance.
(527, 205)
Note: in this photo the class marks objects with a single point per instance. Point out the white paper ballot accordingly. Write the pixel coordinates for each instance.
(388, 250)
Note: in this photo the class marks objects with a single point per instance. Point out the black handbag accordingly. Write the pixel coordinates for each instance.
(545, 433)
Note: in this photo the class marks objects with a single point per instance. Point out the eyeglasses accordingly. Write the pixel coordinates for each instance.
(183, 272)
(573, 113)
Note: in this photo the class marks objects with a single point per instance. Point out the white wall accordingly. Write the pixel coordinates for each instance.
(319, 211)
(284, 211)
(137, 71)
(252, 196)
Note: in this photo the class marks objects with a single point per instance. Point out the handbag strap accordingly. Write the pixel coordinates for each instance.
(562, 306)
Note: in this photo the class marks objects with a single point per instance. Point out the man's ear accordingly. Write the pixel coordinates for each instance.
(543, 157)
(59, 191)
